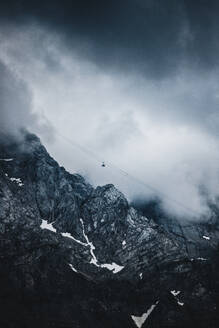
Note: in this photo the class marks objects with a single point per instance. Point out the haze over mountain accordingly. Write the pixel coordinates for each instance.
(135, 82)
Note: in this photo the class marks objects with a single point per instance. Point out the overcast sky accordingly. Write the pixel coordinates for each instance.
(133, 82)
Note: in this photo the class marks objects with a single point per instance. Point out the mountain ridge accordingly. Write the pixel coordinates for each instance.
(55, 225)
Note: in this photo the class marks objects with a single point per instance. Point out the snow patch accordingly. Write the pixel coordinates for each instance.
(115, 268)
(206, 237)
(71, 266)
(17, 180)
(6, 159)
(139, 321)
(68, 235)
(175, 292)
(48, 226)
(90, 244)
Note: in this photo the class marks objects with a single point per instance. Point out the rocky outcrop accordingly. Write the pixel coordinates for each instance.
(75, 256)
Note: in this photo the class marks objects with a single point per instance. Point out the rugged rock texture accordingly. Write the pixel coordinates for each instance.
(75, 256)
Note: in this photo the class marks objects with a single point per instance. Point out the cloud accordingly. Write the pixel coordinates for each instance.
(153, 37)
(16, 108)
(15, 101)
(161, 131)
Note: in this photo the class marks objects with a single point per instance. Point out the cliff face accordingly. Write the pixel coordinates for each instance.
(75, 256)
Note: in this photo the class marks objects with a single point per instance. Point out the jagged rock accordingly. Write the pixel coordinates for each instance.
(75, 256)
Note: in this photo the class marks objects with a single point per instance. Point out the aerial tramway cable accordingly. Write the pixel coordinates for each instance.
(127, 175)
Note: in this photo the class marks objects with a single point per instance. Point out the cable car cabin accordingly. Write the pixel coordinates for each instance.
(103, 164)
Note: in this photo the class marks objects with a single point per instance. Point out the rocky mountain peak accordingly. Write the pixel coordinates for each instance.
(85, 251)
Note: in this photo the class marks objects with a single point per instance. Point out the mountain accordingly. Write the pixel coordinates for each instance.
(76, 256)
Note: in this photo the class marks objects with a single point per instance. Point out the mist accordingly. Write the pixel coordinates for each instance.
(16, 107)
(161, 131)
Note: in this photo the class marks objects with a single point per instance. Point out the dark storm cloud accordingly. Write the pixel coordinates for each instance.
(134, 81)
(153, 37)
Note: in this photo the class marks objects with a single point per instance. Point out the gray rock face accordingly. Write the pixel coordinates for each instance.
(75, 256)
